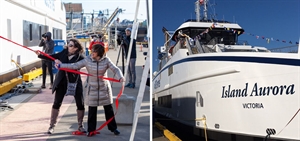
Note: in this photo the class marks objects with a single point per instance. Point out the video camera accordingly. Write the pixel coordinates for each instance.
(121, 37)
(44, 35)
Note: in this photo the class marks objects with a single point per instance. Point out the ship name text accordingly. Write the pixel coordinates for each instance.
(156, 84)
(256, 90)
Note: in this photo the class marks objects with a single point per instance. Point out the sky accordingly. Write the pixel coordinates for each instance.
(277, 19)
(111, 5)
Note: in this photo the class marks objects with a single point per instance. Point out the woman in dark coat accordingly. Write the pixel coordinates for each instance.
(71, 54)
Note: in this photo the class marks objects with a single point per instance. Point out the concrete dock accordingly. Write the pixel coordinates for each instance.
(29, 119)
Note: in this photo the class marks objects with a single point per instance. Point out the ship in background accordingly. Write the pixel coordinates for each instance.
(64, 20)
(24, 22)
(226, 89)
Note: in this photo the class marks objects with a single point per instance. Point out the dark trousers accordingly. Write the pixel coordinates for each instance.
(60, 94)
(92, 118)
(47, 64)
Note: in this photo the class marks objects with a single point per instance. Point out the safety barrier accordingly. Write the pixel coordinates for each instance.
(169, 135)
(7, 86)
(32, 74)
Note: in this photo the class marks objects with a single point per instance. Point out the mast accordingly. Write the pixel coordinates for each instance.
(198, 4)
(197, 10)
(205, 8)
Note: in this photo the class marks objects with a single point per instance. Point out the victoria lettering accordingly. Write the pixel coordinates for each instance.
(253, 105)
(256, 90)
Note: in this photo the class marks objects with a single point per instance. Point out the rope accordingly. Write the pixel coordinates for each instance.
(205, 126)
(79, 72)
(289, 121)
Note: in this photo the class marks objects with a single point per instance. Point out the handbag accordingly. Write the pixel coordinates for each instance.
(71, 87)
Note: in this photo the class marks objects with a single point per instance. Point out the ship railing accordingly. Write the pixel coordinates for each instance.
(286, 49)
(205, 48)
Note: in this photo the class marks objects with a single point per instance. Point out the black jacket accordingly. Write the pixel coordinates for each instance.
(48, 45)
(126, 46)
(60, 77)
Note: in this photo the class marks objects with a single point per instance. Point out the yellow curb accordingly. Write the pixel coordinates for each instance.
(169, 135)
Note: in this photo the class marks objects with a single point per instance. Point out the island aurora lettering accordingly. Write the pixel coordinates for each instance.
(256, 90)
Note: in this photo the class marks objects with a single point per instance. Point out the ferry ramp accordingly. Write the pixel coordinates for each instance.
(30, 117)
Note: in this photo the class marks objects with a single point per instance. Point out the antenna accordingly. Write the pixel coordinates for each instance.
(205, 9)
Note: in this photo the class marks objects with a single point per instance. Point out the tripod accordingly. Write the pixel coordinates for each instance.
(121, 49)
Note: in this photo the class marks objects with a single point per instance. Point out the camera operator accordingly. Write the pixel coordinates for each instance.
(125, 42)
(48, 47)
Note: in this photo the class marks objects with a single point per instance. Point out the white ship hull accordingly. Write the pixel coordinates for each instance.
(238, 92)
(23, 22)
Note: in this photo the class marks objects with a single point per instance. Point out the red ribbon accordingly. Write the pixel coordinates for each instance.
(79, 72)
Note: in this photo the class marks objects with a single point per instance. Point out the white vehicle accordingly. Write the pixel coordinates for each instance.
(24, 22)
(237, 89)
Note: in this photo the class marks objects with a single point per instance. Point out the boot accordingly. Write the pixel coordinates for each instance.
(53, 120)
(132, 85)
(80, 115)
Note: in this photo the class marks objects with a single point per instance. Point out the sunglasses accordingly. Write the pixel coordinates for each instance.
(70, 45)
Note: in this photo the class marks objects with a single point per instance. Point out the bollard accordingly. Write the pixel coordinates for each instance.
(125, 112)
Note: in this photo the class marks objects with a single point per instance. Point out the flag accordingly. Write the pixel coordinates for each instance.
(239, 32)
(268, 40)
(262, 37)
(297, 43)
(201, 2)
(277, 39)
(257, 37)
(271, 39)
(283, 41)
(290, 42)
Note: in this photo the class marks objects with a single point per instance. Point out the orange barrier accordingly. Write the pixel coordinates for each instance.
(106, 46)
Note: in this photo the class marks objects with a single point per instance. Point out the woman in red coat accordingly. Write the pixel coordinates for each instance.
(96, 40)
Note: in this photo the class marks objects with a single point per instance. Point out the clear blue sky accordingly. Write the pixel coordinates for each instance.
(279, 19)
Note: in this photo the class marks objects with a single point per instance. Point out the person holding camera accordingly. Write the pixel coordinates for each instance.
(70, 54)
(131, 67)
(48, 47)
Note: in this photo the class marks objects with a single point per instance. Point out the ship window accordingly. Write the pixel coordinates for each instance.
(53, 34)
(30, 32)
(165, 101)
(57, 33)
(40, 31)
(9, 29)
